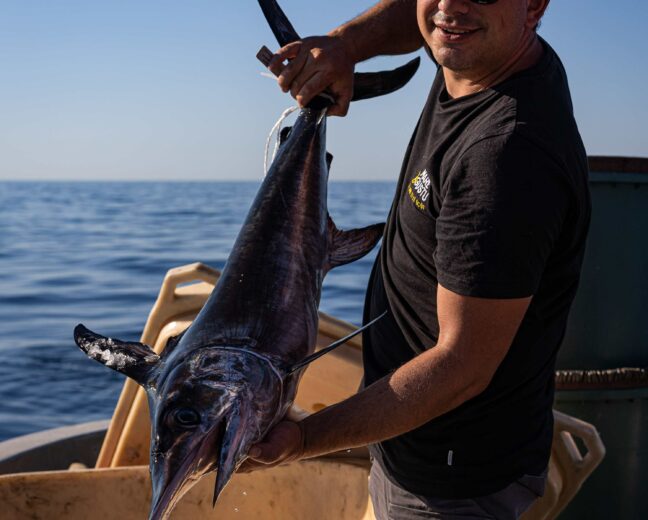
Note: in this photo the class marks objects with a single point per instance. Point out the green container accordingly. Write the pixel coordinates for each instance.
(618, 488)
(608, 329)
(607, 325)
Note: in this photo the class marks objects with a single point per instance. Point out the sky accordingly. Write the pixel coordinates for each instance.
(171, 90)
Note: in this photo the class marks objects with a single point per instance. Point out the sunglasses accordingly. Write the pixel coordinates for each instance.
(483, 2)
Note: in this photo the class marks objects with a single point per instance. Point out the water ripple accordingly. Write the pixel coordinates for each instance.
(97, 253)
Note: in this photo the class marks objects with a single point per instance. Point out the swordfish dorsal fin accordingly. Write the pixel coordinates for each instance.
(365, 84)
(347, 246)
(132, 359)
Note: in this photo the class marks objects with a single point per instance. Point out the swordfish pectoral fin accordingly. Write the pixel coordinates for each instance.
(348, 246)
(332, 346)
(132, 359)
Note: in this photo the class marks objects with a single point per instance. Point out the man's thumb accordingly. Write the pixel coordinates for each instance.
(255, 452)
(264, 452)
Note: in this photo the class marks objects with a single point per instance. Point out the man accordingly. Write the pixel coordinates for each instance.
(478, 268)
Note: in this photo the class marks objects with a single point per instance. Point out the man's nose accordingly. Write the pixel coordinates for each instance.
(454, 7)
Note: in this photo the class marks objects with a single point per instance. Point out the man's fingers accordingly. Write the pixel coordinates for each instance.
(288, 52)
(276, 67)
(260, 456)
(318, 83)
(342, 92)
(282, 444)
(311, 87)
(255, 452)
(316, 64)
(291, 72)
(338, 109)
(297, 91)
(265, 452)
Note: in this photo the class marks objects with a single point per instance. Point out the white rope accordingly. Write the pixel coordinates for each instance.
(275, 128)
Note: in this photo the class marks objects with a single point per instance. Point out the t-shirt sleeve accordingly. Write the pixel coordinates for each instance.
(503, 208)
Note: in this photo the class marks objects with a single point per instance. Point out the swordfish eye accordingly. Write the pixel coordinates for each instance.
(186, 417)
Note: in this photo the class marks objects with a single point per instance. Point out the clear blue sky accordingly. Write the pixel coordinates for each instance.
(142, 89)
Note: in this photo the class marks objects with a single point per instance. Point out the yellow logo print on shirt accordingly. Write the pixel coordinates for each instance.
(419, 189)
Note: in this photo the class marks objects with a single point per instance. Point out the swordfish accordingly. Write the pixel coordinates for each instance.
(218, 388)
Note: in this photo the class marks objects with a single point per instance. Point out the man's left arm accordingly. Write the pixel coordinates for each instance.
(474, 336)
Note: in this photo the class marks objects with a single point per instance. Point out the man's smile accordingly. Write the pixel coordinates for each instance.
(453, 33)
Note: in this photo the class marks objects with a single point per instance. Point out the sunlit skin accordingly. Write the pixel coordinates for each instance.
(497, 40)
(474, 333)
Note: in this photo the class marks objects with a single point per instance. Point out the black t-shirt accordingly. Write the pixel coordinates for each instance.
(492, 202)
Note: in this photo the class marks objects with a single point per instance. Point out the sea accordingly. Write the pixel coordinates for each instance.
(97, 252)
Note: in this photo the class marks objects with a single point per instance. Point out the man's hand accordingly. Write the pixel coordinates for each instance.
(320, 63)
(316, 64)
(283, 444)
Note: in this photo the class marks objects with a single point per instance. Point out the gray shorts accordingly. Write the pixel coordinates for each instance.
(391, 502)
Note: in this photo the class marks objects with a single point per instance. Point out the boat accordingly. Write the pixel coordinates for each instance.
(99, 469)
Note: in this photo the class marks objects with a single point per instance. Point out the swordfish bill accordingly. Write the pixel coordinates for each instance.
(218, 388)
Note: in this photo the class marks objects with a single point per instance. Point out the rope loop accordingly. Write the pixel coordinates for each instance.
(276, 128)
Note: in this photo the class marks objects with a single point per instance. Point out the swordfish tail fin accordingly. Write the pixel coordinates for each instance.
(365, 84)
(278, 22)
(373, 84)
(348, 246)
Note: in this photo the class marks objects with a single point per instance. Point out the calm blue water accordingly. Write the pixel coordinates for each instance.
(97, 253)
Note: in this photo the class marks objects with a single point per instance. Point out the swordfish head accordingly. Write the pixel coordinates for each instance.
(207, 407)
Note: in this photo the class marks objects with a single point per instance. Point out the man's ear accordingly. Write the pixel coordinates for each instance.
(535, 11)
(135, 360)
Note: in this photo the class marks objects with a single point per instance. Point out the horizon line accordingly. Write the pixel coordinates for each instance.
(179, 181)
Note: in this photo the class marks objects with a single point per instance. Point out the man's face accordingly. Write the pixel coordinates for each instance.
(471, 39)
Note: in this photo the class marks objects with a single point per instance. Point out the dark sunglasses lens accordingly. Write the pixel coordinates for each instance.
(483, 2)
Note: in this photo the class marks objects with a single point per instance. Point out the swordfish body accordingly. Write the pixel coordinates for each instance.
(270, 288)
(218, 388)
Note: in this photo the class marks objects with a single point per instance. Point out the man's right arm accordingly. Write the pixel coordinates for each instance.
(327, 62)
(389, 27)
